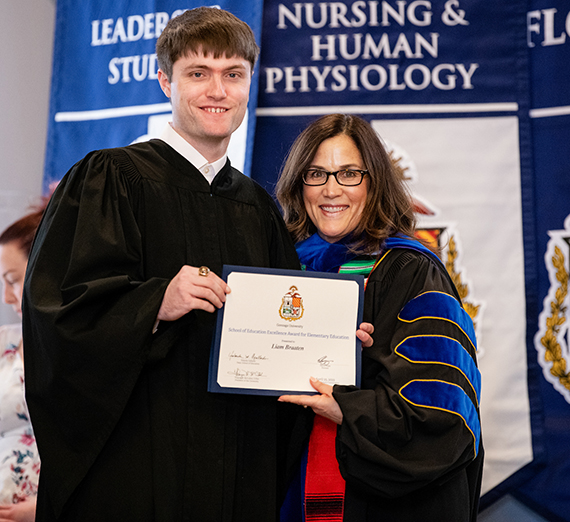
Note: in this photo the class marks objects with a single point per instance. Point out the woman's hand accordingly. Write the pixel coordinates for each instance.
(20, 512)
(323, 404)
(364, 333)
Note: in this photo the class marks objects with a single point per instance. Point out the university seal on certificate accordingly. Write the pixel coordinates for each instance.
(291, 305)
(278, 328)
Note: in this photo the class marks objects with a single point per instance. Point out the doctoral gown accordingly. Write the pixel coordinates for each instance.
(409, 446)
(125, 426)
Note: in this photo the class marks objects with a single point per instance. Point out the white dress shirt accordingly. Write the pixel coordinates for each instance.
(180, 145)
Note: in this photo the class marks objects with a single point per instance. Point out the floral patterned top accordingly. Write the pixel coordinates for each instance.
(19, 459)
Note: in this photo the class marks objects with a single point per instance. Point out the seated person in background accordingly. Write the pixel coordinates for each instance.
(408, 442)
(19, 459)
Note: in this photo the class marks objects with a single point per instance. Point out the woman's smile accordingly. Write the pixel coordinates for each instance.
(336, 209)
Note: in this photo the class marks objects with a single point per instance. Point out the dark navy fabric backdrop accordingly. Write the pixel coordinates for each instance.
(548, 40)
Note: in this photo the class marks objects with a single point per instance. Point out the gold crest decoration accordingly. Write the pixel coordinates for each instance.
(553, 351)
(431, 238)
(462, 288)
(551, 338)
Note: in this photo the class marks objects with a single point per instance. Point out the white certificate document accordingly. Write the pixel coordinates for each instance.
(278, 328)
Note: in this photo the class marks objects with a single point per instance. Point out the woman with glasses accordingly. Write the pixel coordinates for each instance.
(406, 445)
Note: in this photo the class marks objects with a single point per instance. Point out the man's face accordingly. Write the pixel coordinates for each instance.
(209, 98)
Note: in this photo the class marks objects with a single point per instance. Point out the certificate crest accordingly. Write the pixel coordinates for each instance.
(291, 305)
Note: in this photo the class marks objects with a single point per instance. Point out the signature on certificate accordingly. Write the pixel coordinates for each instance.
(248, 357)
(245, 373)
(325, 362)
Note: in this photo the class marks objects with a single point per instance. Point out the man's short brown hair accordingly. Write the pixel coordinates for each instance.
(206, 30)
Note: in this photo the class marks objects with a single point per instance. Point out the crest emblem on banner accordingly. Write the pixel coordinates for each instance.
(291, 305)
(551, 339)
(442, 238)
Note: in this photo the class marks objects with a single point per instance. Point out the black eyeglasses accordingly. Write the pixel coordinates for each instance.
(347, 177)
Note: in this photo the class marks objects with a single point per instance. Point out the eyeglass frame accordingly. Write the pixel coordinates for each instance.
(334, 174)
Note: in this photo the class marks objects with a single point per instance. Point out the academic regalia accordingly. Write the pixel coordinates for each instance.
(126, 429)
(409, 446)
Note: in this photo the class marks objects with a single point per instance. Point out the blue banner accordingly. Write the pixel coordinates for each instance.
(548, 41)
(445, 84)
(105, 91)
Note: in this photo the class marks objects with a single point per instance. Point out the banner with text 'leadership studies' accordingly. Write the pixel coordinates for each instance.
(445, 85)
(105, 91)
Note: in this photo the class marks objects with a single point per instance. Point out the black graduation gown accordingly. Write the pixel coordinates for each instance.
(405, 462)
(125, 427)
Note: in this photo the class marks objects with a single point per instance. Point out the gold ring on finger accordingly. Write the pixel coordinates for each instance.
(203, 271)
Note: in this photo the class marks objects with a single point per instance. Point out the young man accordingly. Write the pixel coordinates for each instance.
(118, 316)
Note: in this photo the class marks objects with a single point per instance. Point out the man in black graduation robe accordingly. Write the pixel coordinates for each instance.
(125, 427)
(122, 415)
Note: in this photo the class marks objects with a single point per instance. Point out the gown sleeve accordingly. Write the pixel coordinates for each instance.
(415, 422)
(88, 315)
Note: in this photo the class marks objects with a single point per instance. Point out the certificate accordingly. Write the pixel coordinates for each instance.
(278, 328)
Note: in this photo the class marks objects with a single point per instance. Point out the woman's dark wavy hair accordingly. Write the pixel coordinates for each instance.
(388, 209)
(23, 230)
(208, 30)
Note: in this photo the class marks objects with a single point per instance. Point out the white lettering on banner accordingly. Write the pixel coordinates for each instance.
(136, 27)
(136, 68)
(336, 14)
(371, 48)
(542, 23)
(360, 46)
(372, 77)
(110, 31)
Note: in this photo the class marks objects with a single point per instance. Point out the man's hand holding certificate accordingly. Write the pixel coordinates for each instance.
(278, 328)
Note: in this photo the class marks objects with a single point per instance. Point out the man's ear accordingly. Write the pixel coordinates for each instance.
(164, 82)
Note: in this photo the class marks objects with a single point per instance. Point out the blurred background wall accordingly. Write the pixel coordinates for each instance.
(26, 46)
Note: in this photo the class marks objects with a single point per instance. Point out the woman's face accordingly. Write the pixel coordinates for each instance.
(335, 209)
(13, 264)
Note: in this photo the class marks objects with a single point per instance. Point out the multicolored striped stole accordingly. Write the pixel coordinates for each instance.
(324, 485)
(360, 267)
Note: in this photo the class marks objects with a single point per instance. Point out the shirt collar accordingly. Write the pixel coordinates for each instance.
(180, 145)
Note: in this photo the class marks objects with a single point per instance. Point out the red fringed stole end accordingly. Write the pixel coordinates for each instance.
(324, 485)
